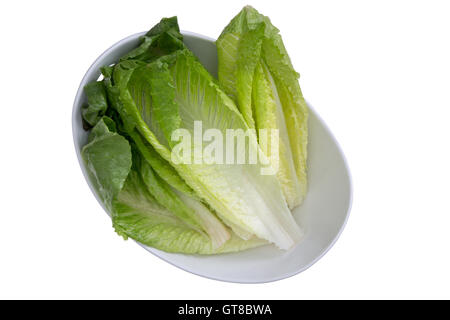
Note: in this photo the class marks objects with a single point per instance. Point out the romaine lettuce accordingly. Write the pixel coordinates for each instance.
(255, 70)
(155, 198)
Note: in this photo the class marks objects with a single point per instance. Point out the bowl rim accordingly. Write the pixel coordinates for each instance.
(94, 67)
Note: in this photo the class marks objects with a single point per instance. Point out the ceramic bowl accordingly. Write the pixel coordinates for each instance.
(323, 214)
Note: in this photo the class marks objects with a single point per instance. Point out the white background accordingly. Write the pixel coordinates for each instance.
(378, 72)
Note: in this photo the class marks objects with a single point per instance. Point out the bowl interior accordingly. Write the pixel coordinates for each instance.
(323, 213)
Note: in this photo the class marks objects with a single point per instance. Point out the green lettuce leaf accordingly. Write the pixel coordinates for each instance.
(256, 71)
(97, 103)
(162, 39)
(159, 164)
(108, 160)
(269, 115)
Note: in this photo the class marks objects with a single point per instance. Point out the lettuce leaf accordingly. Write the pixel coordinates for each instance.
(96, 105)
(162, 39)
(108, 160)
(256, 71)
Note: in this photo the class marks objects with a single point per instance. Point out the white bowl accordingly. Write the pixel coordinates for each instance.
(323, 213)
